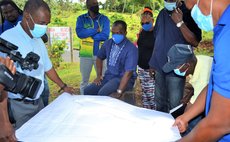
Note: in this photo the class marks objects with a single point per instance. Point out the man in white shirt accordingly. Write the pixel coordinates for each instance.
(27, 36)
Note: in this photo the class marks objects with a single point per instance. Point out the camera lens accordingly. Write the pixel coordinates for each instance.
(26, 85)
(32, 87)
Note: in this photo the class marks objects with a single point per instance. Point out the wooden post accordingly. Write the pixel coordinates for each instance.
(71, 45)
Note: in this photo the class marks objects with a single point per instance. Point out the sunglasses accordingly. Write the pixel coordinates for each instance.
(145, 23)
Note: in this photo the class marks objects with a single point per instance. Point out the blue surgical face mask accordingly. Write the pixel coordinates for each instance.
(147, 27)
(177, 71)
(204, 22)
(170, 6)
(39, 30)
(118, 38)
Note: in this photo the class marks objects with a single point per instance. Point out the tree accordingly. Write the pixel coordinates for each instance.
(20, 3)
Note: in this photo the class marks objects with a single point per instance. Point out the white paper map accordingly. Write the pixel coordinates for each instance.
(82, 118)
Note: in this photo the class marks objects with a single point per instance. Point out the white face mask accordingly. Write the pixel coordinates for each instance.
(39, 30)
(204, 22)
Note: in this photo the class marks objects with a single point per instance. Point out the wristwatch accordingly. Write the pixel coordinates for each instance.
(180, 24)
(119, 91)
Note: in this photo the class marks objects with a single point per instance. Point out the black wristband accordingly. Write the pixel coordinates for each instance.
(63, 87)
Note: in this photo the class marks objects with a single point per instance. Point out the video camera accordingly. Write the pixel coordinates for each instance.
(27, 86)
(30, 62)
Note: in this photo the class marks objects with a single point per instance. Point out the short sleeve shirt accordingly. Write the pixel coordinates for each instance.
(220, 75)
(120, 58)
(25, 44)
(167, 34)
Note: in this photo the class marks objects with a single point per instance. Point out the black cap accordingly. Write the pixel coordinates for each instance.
(178, 54)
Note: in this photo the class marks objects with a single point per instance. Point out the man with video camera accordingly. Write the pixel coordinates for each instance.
(27, 37)
(7, 132)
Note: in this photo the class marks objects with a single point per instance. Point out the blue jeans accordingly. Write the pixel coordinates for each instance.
(106, 88)
(169, 91)
(86, 65)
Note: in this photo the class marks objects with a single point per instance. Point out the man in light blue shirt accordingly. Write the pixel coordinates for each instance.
(215, 98)
(27, 36)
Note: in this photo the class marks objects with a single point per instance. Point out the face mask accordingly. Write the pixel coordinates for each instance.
(95, 9)
(147, 27)
(177, 71)
(39, 30)
(170, 6)
(118, 38)
(204, 22)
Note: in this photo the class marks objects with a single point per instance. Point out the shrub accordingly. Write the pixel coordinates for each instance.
(115, 17)
(55, 52)
(58, 22)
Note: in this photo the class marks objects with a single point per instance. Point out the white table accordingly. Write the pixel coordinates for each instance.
(82, 118)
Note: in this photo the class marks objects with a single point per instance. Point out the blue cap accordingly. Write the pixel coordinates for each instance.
(178, 54)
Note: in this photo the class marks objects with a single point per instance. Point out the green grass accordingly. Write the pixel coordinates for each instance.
(70, 74)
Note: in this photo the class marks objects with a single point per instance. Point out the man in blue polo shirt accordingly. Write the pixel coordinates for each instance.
(92, 28)
(174, 25)
(215, 98)
(11, 15)
(121, 57)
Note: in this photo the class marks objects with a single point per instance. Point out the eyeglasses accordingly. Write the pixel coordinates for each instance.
(145, 23)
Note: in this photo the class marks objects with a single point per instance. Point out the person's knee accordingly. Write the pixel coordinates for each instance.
(104, 92)
(90, 90)
(86, 91)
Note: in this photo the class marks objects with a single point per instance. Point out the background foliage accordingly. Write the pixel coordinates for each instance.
(55, 52)
(65, 13)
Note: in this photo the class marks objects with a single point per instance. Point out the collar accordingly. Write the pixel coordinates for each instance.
(21, 30)
(224, 19)
(123, 43)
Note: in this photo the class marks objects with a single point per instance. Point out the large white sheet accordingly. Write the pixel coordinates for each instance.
(82, 118)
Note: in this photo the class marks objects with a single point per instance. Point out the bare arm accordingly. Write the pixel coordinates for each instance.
(7, 132)
(99, 65)
(215, 125)
(125, 79)
(52, 74)
(190, 37)
(198, 107)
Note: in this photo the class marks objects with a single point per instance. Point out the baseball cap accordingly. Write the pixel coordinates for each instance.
(178, 54)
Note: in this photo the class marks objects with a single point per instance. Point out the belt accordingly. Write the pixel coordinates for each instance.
(25, 101)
